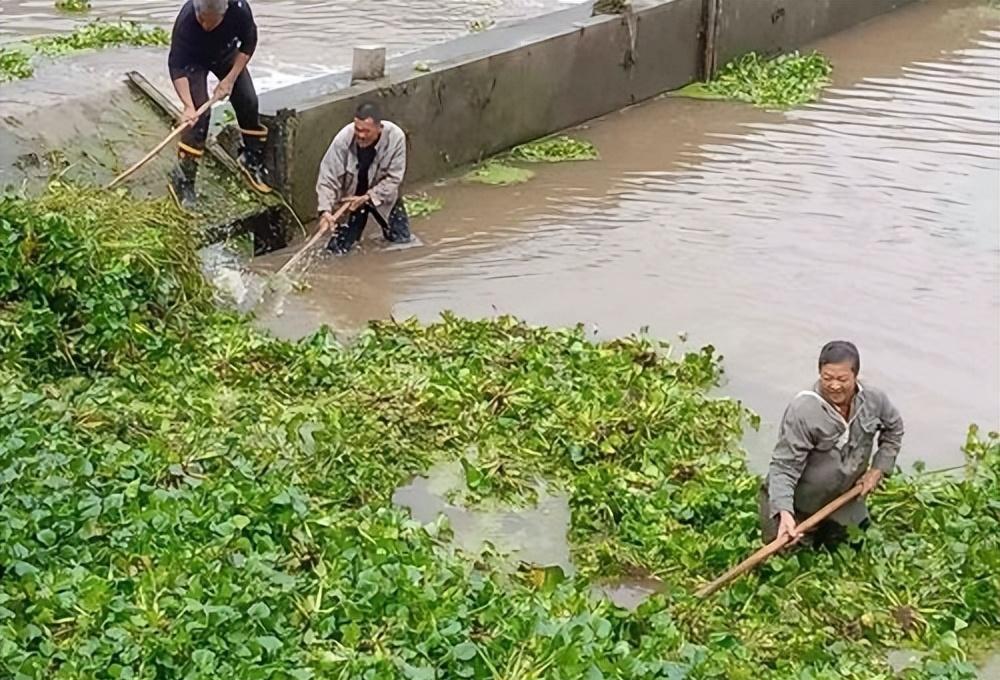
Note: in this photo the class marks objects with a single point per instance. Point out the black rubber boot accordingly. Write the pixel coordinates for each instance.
(251, 160)
(181, 183)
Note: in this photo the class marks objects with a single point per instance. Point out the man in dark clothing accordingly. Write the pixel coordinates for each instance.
(218, 36)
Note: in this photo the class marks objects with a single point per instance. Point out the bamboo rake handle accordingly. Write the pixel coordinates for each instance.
(319, 233)
(159, 147)
(779, 543)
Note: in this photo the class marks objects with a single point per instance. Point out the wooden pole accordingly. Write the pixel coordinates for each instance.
(159, 147)
(779, 543)
(319, 233)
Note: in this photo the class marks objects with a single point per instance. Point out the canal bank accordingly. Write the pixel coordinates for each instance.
(459, 101)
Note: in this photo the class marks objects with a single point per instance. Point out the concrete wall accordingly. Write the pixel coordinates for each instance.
(466, 109)
(490, 91)
(774, 26)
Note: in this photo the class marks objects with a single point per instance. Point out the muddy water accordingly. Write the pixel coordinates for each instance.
(535, 536)
(870, 215)
(298, 38)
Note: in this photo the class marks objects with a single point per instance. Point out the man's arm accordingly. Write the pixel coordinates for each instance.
(389, 185)
(890, 438)
(248, 44)
(795, 442)
(331, 169)
(183, 89)
(225, 86)
(791, 453)
(176, 64)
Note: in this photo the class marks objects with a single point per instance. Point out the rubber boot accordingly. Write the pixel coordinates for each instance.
(181, 183)
(251, 159)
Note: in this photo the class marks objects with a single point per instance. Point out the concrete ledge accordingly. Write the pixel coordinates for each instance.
(506, 36)
(486, 92)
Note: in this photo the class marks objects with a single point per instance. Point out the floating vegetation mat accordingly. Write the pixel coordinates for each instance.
(183, 496)
(15, 62)
(500, 170)
(786, 80)
(498, 173)
(555, 150)
(73, 5)
(421, 204)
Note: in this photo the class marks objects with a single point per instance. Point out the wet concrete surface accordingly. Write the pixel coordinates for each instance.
(870, 215)
(298, 38)
(82, 107)
(95, 132)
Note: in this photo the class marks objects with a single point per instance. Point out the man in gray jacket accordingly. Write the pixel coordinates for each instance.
(364, 166)
(824, 447)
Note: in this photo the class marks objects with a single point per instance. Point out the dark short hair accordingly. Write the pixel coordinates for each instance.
(368, 110)
(838, 352)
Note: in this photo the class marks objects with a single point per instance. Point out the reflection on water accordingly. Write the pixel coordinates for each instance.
(870, 215)
(990, 669)
(629, 593)
(900, 660)
(535, 535)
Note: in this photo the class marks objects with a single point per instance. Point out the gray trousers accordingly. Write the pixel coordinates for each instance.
(828, 534)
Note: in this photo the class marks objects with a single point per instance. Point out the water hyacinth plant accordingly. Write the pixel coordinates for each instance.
(73, 5)
(783, 81)
(496, 172)
(422, 204)
(101, 34)
(183, 496)
(15, 62)
(555, 150)
(502, 171)
(14, 65)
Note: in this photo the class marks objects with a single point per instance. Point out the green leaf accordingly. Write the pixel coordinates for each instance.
(204, 658)
(270, 643)
(23, 568)
(465, 651)
(259, 610)
(419, 672)
(350, 635)
(473, 477)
